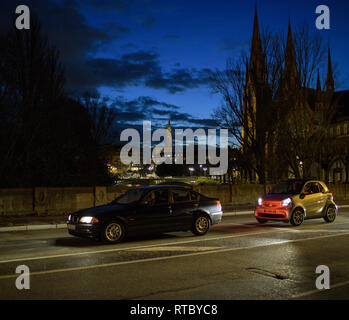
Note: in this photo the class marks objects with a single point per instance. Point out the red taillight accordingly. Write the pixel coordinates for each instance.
(219, 206)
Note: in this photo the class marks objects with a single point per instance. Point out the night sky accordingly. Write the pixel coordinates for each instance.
(153, 58)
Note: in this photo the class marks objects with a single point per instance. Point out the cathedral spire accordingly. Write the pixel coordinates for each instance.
(257, 57)
(290, 71)
(329, 79)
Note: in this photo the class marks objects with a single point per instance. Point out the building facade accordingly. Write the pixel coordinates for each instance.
(261, 128)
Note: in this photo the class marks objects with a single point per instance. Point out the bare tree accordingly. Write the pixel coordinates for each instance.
(279, 128)
(305, 113)
(31, 81)
(102, 118)
(241, 85)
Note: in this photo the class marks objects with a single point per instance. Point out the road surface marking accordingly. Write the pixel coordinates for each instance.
(176, 248)
(114, 264)
(325, 230)
(307, 293)
(137, 247)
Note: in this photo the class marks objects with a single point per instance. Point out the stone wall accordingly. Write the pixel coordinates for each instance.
(51, 201)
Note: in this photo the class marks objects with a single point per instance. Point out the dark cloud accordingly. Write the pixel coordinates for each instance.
(67, 29)
(138, 68)
(179, 80)
(78, 42)
(146, 108)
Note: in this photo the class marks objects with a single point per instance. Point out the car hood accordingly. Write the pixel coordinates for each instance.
(97, 211)
(276, 197)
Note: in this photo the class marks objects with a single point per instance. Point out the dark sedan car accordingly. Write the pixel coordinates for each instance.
(147, 210)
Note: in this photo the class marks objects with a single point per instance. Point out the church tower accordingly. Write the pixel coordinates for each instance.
(329, 79)
(290, 79)
(255, 80)
(256, 104)
(168, 141)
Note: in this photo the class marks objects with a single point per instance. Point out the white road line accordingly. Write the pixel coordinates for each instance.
(269, 230)
(323, 230)
(113, 264)
(137, 247)
(176, 248)
(307, 293)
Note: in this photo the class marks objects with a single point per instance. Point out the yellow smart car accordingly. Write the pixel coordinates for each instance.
(295, 201)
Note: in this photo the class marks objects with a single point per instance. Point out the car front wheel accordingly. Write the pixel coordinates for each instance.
(113, 232)
(201, 225)
(331, 214)
(297, 217)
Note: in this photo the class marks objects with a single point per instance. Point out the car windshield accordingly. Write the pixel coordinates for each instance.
(288, 187)
(130, 196)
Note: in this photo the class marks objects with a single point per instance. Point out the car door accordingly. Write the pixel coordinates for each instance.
(154, 212)
(312, 199)
(183, 205)
(321, 201)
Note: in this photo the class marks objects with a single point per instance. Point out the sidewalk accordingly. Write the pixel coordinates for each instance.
(26, 223)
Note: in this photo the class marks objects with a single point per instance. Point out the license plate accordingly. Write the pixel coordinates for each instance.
(269, 211)
(71, 227)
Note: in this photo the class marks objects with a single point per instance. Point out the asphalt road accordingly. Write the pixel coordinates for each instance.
(238, 259)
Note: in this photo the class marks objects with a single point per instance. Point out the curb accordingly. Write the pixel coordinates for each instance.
(33, 227)
(64, 225)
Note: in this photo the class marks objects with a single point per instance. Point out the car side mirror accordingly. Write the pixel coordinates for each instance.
(302, 196)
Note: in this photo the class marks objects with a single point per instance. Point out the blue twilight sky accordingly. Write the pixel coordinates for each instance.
(153, 58)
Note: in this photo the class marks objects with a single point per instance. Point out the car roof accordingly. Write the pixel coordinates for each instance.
(164, 187)
(304, 181)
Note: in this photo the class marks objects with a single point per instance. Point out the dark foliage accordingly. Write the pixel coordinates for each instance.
(45, 137)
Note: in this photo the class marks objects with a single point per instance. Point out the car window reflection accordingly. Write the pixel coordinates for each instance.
(180, 195)
(157, 197)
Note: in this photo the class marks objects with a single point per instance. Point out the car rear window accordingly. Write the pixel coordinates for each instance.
(157, 197)
(180, 195)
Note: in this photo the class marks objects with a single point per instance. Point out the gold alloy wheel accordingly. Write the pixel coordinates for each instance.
(202, 224)
(331, 214)
(297, 217)
(113, 232)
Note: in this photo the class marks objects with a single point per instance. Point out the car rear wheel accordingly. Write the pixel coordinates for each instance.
(330, 215)
(297, 217)
(113, 232)
(201, 225)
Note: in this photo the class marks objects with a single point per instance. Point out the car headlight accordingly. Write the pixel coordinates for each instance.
(286, 202)
(260, 201)
(69, 217)
(88, 220)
